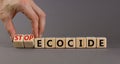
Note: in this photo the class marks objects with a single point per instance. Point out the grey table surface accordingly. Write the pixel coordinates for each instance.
(68, 18)
(10, 55)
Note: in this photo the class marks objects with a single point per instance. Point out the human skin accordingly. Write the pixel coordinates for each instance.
(9, 8)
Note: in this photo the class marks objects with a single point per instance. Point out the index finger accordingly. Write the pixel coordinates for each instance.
(28, 11)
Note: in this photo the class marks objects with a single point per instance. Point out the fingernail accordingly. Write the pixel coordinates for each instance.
(11, 38)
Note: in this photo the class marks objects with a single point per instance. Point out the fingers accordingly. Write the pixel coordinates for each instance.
(28, 11)
(42, 18)
(9, 26)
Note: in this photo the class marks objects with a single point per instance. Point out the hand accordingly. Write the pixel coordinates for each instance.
(9, 8)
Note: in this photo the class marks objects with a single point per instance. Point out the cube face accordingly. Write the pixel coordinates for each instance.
(49, 42)
(18, 38)
(91, 42)
(70, 42)
(18, 41)
(29, 40)
(39, 43)
(101, 42)
(60, 42)
(81, 42)
(18, 44)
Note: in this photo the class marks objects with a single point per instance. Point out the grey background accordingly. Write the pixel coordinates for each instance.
(68, 18)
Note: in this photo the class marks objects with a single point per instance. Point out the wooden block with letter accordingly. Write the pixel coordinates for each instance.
(49, 42)
(18, 41)
(70, 42)
(101, 42)
(60, 42)
(39, 42)
(91, 42)
(29, 41)
(81, 42)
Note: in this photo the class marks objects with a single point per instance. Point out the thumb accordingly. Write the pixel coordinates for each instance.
(9, 27)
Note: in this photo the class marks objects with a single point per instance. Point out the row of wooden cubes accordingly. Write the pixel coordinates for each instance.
(28, 41)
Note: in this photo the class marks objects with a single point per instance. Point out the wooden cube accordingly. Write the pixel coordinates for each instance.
(29, 41)
(39, 42)
(60, 42)
(91, 42)
(70, 42)
(101, 42)
(49, 42)
(18, 41)
(81, 42)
